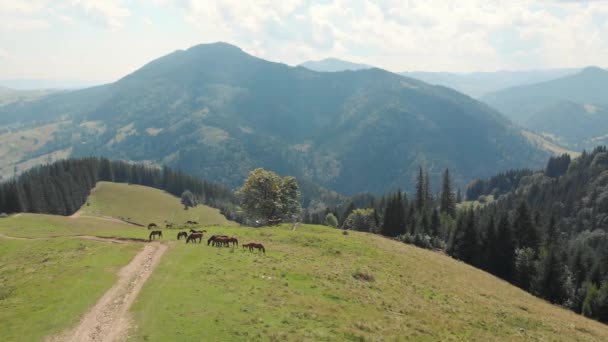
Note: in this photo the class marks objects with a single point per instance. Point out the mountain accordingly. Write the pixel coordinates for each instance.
(37, 84)
(571, 109)
(477, 84)
(333, 65)
(217, 112)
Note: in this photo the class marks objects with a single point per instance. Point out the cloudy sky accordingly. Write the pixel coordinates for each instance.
(106, 39)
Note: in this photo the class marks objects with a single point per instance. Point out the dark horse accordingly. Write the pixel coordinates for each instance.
(225, 241)
(255, 245)
(169, 225)
(152, 225)
(195, 236)
(181, 235)
(197, 231)
(154, 233)
(215, 237)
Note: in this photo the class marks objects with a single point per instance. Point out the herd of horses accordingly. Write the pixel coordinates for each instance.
(214, 240)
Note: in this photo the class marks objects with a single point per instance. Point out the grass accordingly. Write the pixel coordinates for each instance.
(317, 284)
(46, 285)
(144, 205)
(313, 283)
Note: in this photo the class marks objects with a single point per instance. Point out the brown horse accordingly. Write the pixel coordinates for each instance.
(181, 235)
(255, 245)
(225, 241)
(213, 238)
(154, 233)
(169, 225)
(197, 231)
(152, 225)
(195, 236)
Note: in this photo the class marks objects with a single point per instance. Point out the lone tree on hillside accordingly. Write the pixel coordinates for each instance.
(265, 195)
(188, 199)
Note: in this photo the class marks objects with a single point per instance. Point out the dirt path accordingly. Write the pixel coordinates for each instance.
(109, 319)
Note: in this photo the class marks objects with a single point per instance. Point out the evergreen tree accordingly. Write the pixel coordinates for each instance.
(551, 278)
(504, 250)
(448, 203)
(525, 231)
(420, 190)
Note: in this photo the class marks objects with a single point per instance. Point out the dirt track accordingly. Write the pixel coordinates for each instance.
(109, 319)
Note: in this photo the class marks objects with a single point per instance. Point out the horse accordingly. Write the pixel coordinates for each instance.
(169, 225)
(215, 237)
(152, 225)
(197, 231)
(195, 236)
(255, 245)
(181, 235)
(154, 233)
(225, 241)
(191, 222)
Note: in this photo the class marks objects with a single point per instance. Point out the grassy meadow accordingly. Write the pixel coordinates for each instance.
(144, 205)
(313, 283)
(308, 287)
(46, 285)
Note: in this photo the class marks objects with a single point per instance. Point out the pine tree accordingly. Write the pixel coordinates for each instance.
(420, 190)
(525, 231)
(504, 250)
(447, 203)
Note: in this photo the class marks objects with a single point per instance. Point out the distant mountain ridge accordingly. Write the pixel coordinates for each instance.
(478, 84)
(571, 108)
(334, 65)
(217, 112)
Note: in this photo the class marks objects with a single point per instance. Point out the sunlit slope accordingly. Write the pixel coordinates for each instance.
(145, 205)
(304, 288)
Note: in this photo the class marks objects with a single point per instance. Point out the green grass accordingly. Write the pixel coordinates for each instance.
(304, 289)
(45, 286)
(144, 205)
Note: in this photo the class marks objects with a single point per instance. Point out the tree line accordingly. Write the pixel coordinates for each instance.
(62, 187)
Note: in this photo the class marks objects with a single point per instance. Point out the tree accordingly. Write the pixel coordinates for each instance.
(361, 220)
(420, 190)
(331, 220)
(504, 250)
(265, 195)
(465, 243)
(525, 231)
(289, 197)
(188, 200)
(394, 216)
(447, 202)
(550, 283)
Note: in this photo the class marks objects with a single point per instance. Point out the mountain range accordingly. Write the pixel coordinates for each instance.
(217, 112)
(572, 110)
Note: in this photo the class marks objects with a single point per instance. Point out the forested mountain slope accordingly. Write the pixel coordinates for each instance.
(217, 112)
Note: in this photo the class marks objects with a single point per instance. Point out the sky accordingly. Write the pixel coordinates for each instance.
(104, 40)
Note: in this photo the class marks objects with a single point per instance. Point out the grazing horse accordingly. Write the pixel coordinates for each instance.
(154, 233)
(169, 225)
(152, 225)
(191, 222)
(213, 238)
(181, 235)
(257, 246)
(197, 231)
(225, 241)
(195, 236)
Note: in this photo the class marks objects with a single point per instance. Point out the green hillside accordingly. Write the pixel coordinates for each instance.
(313, 283)
(143, 205)
(214, 111)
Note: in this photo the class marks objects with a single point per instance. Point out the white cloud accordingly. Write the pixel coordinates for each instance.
(112, 13)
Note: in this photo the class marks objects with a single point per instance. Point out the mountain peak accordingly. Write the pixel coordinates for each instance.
(592, 70)
(333, 65)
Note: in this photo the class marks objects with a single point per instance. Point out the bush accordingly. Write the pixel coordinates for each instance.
(331, 220)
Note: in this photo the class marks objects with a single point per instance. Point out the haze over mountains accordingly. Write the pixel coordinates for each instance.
(572, 109)
(334, 65)
(217, 112)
